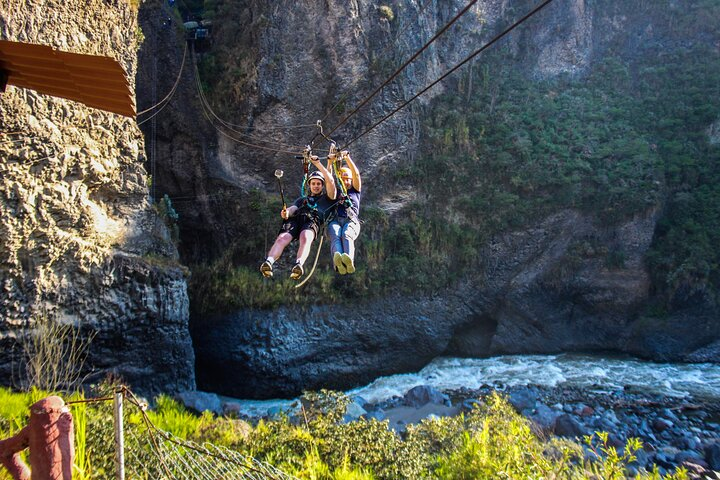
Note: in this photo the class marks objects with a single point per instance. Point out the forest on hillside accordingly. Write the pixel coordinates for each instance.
(500, 149)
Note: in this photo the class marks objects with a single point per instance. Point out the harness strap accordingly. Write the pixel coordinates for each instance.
(306, 170)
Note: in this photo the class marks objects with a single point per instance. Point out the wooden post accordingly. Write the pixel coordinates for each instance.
(119, 436)
(49, 434)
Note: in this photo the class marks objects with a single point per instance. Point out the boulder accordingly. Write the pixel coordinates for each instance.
(353, 412)
(712, 455)
(424, 394)
(544, 418)
(231, 409)
(567, 426)
(524, 399)
(201, 401)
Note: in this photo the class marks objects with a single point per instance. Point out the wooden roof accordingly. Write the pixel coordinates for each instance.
(98, 82)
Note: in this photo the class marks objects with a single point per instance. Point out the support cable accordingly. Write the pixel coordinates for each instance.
(210, 114)
(466, 60)
(172, 90)
(382, 54)
(404, 65)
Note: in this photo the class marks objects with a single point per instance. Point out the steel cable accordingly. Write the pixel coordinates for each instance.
(404, 65)
(466, 60)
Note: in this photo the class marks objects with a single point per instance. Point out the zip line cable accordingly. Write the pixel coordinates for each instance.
(347, 92)
(466, 60)
(223, 122)
(207, 109)
(237, 140)
(172, 90)
(404, 65)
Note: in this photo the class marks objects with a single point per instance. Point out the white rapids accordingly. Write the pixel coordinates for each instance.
(594, 373)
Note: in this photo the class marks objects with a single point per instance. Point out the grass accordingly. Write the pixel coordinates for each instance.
(490, 441)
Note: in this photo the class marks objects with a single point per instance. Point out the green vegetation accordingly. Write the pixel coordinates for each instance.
(502, 150)
(169, 216)
(386, 12)
(490, 441)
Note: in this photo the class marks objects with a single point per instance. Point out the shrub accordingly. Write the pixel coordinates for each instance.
(54, 354)
(386, 12)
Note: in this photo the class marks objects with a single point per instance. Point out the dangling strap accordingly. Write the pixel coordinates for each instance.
(306, 170)
(317, 255)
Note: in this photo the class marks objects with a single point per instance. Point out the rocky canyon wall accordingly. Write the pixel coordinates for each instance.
(550, 285)
(81, 244)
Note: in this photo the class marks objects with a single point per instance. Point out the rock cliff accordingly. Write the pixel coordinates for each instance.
(567, 282)
(81, 243)
(81, 240)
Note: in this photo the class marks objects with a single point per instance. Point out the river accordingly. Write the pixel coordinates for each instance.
(594, 373)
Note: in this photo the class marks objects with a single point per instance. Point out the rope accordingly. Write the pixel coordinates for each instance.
(467, 59)
(404, 65)
(150, 427)
(317, 255)
(89, 400)
(172, 90)
(225, 463)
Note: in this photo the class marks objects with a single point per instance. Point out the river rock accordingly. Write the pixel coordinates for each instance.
(661, 424)
(544, 417)
(424, 394)
(353, 412)
(524, 399)
(690, 456)
(712, 455)
(567, 426)
(201, 401)
(231, 409)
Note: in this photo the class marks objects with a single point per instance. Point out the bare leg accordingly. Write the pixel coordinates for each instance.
(282, 241)
(306, 239)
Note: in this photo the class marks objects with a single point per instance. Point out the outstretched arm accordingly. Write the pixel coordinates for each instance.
(357, 182)
(329, 181)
